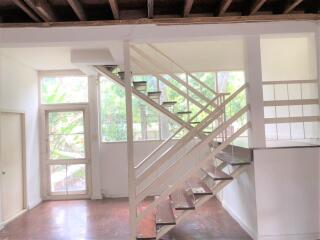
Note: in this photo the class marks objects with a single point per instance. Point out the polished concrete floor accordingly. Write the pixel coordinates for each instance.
(108, 220)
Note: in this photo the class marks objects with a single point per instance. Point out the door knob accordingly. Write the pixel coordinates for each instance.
(3, 172)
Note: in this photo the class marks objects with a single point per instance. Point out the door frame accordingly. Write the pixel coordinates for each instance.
(24, 168)
(45, 175)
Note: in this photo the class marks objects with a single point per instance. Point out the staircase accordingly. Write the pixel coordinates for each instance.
(189, 171)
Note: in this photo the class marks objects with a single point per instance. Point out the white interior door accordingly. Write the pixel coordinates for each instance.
(11, 164)
(67, 152)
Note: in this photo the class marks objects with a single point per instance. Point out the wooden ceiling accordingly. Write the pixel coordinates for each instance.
(100, 12)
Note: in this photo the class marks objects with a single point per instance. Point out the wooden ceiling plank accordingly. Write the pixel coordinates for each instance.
(78, 9)
(21, 4)
(291, 6)
(256, 6)
(114, 9)
(224, 5)
(187, 7)
(150, 8)
(43, 9)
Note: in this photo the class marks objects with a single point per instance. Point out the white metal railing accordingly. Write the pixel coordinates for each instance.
(182, 69)
(190, 135)
(282, 101)
(164, 143)
(157, 65)
(170, 170)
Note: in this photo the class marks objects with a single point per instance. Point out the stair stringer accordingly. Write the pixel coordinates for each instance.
(216, 189)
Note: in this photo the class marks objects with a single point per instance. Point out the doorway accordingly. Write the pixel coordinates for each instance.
(12, 165)
(66, 152)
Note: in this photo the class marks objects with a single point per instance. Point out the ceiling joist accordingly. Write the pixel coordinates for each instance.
(114, 9)
(43, 9)
(291, 6)
(78, 9)
(256, 6)
(224, 5)
(22, 5)
(187, 7)
(150, 8)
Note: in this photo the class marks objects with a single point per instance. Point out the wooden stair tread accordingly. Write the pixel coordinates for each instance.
(231, 159)
(146, 228)
(183, 112)
(182, 199)
(217, 174)
(164, 213)
(194, 122)
(198, 187)
(168, 103)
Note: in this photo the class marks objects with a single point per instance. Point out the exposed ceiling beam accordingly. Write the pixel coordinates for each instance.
(173, 21)
(43, 9)
(224, 5)
(256, 6)
(114, 9)
(150, 8)
(292, 6)
(187, 7)
(78, 9)
(21, 4)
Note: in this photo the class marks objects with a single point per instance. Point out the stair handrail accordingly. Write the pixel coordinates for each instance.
(174, 134)
(170, 152)
(167, 71)
(192, 171)
(182, 68)
(200, 145)
(152, 103)
(166, 82)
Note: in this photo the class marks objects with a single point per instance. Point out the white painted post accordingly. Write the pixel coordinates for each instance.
(93, 85)
(253, 72)
(317, 46)
(131, 175)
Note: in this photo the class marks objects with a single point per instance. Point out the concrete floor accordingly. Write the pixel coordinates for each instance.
(108, 220)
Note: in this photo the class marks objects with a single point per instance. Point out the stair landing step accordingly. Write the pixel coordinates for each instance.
(164, 213)
(198, 187)
(183, 199)
(232, 160)
(217, 174)
(146, 229)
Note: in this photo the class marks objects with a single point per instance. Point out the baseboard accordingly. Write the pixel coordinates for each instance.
(303, 236)
(108, 195)
(252, 233)
(34, 204)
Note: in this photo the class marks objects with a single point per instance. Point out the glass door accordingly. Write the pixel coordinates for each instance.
(67, 152)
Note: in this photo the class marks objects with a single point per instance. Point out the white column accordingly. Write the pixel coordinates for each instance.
(255, 91)
(131, 175)
(94, 137)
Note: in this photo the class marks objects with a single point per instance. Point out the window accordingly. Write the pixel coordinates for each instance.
(148, 124)
(64, 89)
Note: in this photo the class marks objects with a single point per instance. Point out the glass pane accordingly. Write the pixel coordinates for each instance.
(65, 122)
(64, 89)
(66, 135)
(67, 146)
(113, 111)
(76, 178)
(58, 175)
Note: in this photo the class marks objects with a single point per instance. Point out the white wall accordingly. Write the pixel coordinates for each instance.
(19, 91)
(239, 199)
(287, 193)
(288, 57)
(114, 165)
